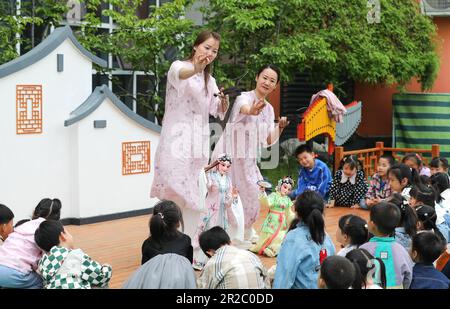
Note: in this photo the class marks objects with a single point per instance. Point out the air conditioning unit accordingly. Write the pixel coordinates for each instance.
(435, 7)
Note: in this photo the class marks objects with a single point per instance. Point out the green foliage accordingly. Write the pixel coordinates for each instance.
(143, 44)
(36, 17)
(330, 39)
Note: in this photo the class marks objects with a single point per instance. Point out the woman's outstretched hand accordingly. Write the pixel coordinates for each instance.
(257, 107)
(224, 100)
(283, 122)
(200, 62)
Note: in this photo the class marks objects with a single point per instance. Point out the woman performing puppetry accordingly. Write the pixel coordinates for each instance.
(183, 150)
(251, 126)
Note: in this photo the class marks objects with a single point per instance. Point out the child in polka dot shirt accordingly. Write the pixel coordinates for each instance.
(349, 186)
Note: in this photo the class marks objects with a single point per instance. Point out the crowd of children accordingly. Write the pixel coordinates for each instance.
(402, 245)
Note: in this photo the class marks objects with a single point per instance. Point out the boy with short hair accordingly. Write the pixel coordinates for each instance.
(384, 218)
(62, 266)
(313, 174)
(426, 248)
(336, 272)
(229, 267)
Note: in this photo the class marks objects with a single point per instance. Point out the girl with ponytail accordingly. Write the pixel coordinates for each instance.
(402, 178)
(427, 220)
(429, 196)
(370, 271)
(305, 246)
(49, 209)
(164, 234)
(441, 185)
(407, 227)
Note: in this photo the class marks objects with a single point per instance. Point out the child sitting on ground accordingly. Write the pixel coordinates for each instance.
(379, 188)
(364, 263)
(349, 186)
(384, 218)
(6, 222)
(305, 246)
(407, 226)
(229, 267)
(402, 178)
(439, 165)
(351, 234)
(64, 267)
(426, 248)
(313, 174)
(336, 272)
(414, 161)
(424, 195)
(441, 186)
(427, 220)
(164, 234)
(19, 254)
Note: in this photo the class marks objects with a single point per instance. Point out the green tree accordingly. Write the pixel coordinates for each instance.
(143, 43)
(34, 18)
(329, 39)
(146, 44)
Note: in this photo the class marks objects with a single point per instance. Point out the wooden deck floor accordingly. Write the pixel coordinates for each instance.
(118, 242)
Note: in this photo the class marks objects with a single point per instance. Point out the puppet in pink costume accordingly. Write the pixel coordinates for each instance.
(183, 149)
(251, 127)
(221, 198)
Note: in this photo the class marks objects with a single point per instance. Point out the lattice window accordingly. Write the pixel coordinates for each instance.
(135, 157)
(28, 109)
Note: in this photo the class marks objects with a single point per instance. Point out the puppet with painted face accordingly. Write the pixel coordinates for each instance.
(219, 200)
(277, 222)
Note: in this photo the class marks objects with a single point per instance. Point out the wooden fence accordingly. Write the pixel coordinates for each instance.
(369, 157)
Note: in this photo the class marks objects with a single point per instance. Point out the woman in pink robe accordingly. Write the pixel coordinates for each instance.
(183, 148)
(251, 127)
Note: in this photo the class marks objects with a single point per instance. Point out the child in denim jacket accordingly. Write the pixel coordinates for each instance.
(305, 246)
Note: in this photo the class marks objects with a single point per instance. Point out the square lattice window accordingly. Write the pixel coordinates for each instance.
(135, 157)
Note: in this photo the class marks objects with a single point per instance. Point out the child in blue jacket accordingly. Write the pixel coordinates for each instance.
(313, 174)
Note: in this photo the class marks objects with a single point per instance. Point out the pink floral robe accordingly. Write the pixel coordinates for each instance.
(243, 137)
(184, 144)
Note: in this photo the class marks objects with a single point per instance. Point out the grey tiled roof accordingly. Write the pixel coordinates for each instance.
(94, 101)
(49, 44)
